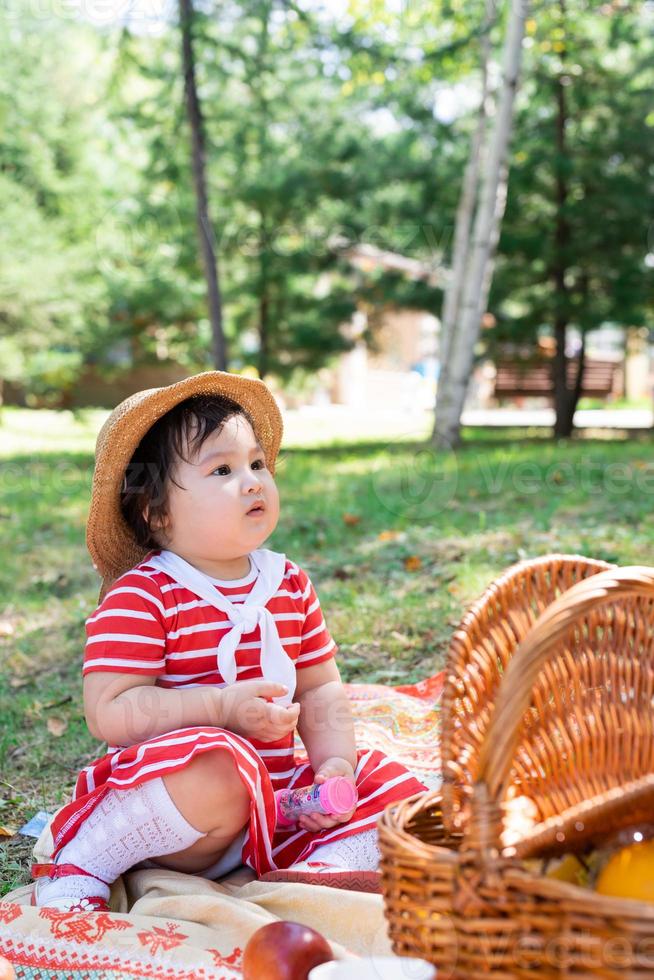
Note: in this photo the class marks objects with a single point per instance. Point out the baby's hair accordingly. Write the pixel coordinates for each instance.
(187, 426)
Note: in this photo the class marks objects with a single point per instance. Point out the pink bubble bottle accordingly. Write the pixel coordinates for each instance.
(336, 795)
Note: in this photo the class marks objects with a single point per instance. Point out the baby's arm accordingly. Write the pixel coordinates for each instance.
(123, 659)
(125, 706)
(122, 709)
(325, 724)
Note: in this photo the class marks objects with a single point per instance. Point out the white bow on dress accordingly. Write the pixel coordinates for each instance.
(276, 665)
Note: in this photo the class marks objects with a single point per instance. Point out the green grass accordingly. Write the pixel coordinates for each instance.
(616, 404)
(353, 516)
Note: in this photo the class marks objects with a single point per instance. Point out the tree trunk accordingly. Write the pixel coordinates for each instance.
(205, 231)
(264, 313)
(565, 396)
(625, 357)
(447, 429)
(567, 405)
(464, 215)
(259, 87)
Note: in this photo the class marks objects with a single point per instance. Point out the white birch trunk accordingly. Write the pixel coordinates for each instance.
(464, 215)
(484, 238)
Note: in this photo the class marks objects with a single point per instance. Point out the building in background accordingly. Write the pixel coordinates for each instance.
(400, 367)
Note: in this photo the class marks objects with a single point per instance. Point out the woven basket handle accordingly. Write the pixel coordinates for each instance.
(498, 750)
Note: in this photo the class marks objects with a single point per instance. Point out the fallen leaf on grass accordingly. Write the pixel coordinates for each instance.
(413, 563)
(34, 710)
(390, 535)
(351, 519)
(7, 831)
(16, 682)
(57, 726)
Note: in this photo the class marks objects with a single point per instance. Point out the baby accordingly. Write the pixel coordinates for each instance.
(205, 654)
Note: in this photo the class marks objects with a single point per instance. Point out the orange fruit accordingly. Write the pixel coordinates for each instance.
(629, 873)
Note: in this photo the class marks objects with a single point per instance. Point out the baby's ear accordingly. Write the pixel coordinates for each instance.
(157, 524)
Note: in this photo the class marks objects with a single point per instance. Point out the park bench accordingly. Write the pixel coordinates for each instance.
(519, 377)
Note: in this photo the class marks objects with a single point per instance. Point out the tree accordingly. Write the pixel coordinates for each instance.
(573, 252)
(280, 185)
(51, 300)
(148, 238)
(485, 235)
(401, 75)
(314, 128)
(205, 230)
(464, 217)
(275, 159)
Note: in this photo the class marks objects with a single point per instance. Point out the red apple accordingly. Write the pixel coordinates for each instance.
(6, 970)
(284, 951)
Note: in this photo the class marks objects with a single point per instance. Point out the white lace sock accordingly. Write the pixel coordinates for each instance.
(360, 852)
(125, 827)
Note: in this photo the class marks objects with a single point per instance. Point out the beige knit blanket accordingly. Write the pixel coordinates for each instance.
(181, 926)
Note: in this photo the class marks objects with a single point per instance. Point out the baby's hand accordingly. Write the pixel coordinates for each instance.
(335, 766)
(247, 712)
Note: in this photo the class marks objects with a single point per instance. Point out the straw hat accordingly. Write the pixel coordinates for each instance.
(111, 543)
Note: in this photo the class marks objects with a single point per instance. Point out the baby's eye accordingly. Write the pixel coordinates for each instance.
(223, 470)
(259, 464)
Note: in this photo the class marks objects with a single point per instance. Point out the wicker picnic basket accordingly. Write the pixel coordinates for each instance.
(479, 653)
(568, 725)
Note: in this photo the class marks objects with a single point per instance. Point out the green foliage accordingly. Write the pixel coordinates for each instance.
(315, 128)
(290, 149)
(147, 240)
(600, 63)
(50, 294)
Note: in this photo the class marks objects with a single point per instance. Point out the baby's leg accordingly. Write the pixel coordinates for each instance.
(150, 821)
(210, 794)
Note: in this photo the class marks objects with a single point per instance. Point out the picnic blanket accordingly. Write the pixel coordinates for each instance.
(174, 926)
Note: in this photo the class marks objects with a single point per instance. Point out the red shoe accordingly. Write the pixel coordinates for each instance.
(90, 903)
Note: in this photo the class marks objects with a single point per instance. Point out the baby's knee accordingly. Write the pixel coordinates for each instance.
(219, 764)
(209, 791)
(217, 775)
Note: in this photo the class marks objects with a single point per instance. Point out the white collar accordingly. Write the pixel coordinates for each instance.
(276, 665)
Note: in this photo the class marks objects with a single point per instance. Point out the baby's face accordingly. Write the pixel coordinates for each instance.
(212, 518)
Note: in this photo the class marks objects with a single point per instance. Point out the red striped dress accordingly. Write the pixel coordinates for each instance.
(150, 624)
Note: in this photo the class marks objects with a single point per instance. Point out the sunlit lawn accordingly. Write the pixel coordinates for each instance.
(397, 539)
